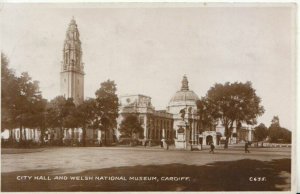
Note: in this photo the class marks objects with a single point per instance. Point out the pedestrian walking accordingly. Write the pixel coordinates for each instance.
(246, 147)
(212, 147)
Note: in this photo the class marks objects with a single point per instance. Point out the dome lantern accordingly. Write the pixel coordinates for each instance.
(182, 98)
(185, 84)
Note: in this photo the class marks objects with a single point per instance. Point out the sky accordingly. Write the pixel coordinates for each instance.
(147, 48)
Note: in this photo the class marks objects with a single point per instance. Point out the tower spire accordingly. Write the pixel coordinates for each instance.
(72, 49)
(73, 21)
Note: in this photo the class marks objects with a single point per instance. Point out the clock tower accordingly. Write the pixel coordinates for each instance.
(72, 68)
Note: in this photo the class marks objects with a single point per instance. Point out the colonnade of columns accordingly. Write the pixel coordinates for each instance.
(155, 127)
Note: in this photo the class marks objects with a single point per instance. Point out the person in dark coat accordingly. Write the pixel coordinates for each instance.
(212, 147)
(246, 147)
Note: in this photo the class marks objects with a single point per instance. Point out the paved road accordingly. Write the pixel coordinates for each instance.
(77, 159)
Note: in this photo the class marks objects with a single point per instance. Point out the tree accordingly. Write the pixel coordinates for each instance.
(28, 96)
(205, 113)
(9, 94)
(22, 102)
(130, 126)
(55, 112)
(233, 103)
(70, 119)
(63, 114)
(106, 107)
(277, 133)
(86, 113)
(286, 135)
(36, 119)
(54, 115)
(275, 121)
(261, 132)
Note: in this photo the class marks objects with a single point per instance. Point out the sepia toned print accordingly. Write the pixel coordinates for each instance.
(147, 97)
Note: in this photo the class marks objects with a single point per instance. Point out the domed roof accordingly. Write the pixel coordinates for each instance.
(184, 94)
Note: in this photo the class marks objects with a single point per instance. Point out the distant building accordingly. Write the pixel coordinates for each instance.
(242, 134)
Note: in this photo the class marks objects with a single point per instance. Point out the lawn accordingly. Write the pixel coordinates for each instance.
(146, 170)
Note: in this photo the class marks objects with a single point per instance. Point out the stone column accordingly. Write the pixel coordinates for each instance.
(197, 132)
(186, 136)
(34, 135)
(145, 127)
(194, 131)
(65, 133)
(29, 133)
(203, 139)
(249, 134)
(155, 127)
(151, 127)
(99, 136)
(215, 139)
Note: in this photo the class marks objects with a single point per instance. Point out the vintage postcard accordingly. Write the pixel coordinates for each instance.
(185, 97)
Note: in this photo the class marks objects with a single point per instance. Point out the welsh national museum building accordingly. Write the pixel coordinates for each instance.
(178, 124)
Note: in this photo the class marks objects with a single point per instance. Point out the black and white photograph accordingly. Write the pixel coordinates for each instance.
(136, 97)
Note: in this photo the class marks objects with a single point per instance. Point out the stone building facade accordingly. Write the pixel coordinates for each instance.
(156, 124)
(184, 110)
(179, 123)
(72, 67)
(165, 124)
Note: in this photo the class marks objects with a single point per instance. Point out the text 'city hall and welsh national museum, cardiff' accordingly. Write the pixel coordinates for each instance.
(177, 125)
